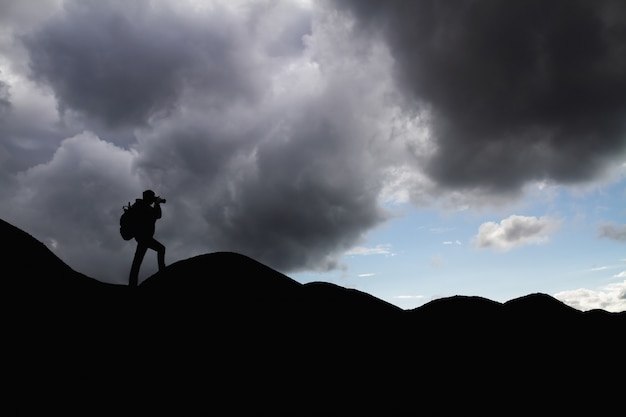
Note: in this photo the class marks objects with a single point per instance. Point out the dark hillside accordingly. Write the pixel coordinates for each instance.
(31, 265)
(224, 333)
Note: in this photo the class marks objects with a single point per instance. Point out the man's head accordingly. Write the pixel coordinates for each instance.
(148, 196)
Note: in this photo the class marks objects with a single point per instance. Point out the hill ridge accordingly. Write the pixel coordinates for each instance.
(250, 340)
(49, 272)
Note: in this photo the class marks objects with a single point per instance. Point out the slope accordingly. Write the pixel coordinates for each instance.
(222, 332)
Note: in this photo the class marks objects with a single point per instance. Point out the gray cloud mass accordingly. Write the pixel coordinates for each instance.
(613, 231)
(122, 62)
(517, 90)
(277, 128)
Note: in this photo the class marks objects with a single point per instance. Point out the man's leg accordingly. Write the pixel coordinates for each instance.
(140, 252)
(160, 250)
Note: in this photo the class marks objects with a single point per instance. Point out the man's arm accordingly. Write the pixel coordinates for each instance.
(157, 210)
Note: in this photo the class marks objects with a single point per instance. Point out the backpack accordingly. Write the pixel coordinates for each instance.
(128, 222)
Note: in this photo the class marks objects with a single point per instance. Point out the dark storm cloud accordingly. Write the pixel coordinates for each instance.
(283, 24)
(277, 128)
(517, 90)
(309, 198)
(254, 123)
(5, 107)
(5, 102)
(290, 184)
(122, 62)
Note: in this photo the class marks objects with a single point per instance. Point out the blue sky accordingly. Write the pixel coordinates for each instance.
(427, 254)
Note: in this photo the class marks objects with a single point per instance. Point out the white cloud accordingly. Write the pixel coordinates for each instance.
(450, 242)
(610, 297)
(620, 275)
(515, 231)
(599, 268)
(376, 250)
(366, 275)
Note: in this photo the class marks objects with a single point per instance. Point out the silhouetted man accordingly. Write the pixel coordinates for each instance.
(147, 215)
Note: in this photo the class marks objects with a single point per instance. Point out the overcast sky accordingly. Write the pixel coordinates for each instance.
(359, 142)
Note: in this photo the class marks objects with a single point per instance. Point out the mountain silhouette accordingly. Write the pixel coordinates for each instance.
(224, 333)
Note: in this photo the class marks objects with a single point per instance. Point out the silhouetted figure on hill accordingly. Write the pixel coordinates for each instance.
(147, 215)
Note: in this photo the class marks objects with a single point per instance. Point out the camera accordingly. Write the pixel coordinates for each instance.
(160, 200)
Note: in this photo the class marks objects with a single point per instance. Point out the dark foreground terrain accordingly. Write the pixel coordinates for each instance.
(223, 334)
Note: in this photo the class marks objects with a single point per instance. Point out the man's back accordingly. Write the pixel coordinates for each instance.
(146, 218)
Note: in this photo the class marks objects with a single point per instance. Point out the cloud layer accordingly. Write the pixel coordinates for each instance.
(264, 140)
(282, 129)
(611, 297)
(515, 91)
